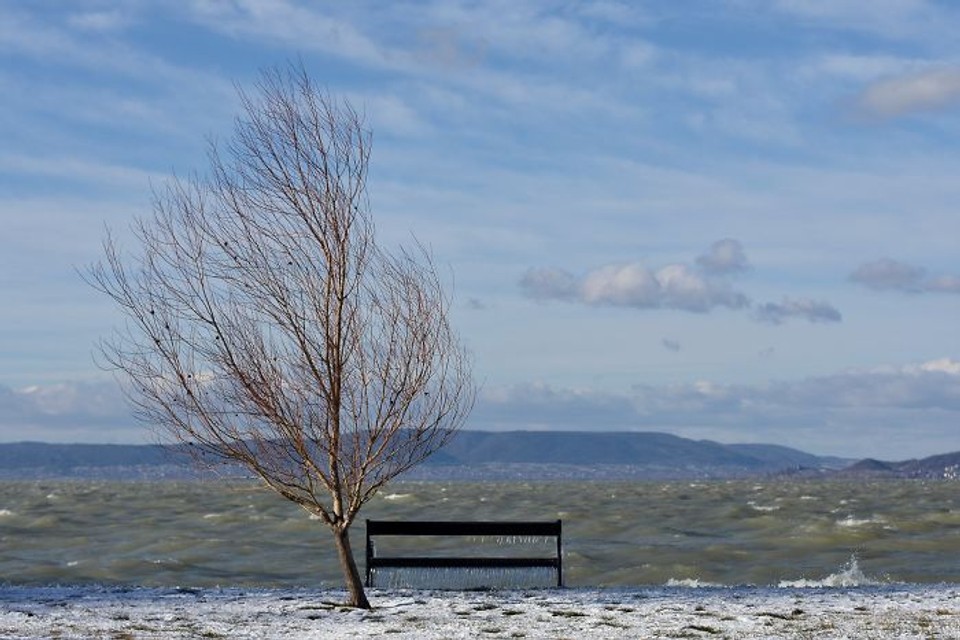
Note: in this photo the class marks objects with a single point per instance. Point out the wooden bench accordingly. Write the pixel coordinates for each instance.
(376, 528)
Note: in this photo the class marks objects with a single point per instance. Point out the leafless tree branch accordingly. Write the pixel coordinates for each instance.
(264, 325)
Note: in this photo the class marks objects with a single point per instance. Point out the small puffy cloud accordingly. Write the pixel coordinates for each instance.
(724, 256)
(698, 288)
(804, 308)
(887, 274)
(676, 286)
(622, 285)
(929, 90)
(632, 284)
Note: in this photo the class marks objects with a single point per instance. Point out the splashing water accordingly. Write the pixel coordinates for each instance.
(849, 576)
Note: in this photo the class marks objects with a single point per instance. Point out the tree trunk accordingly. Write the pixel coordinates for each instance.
(351, 575)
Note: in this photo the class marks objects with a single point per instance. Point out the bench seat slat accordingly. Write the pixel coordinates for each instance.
(435, 562)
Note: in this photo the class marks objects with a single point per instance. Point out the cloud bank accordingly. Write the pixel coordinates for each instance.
(94, 412)
(893, 413)
(700, 287)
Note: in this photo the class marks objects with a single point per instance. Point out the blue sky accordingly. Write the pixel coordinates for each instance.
(725, 219)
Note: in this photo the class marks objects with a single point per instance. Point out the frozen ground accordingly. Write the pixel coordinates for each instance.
(669, 612)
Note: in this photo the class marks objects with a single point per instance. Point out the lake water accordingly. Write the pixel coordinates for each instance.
(616, 534)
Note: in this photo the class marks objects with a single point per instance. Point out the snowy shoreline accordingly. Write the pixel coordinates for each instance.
(889, 611)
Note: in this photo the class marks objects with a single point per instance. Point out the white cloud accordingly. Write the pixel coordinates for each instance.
(627, 285)
(632, 284)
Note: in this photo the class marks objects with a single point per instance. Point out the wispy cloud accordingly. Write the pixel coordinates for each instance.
(898, 19)
(922, 91)
(78, 170)
(291, 24)
(101, 21)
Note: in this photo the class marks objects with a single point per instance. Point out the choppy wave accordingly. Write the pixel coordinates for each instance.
(625, 534)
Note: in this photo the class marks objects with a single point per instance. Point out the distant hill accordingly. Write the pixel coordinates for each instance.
(25, 455)
(471, 455)
(30, 460)
(632, 453)
(945, 466)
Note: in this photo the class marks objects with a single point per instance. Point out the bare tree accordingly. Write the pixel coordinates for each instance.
(266, 326)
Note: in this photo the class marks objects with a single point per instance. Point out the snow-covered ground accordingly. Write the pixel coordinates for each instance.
(891, 611)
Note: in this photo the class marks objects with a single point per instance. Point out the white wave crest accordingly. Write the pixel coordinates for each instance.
(691, 583)
(852, 522)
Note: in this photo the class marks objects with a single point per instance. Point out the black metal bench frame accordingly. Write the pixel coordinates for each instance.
(375, 528)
